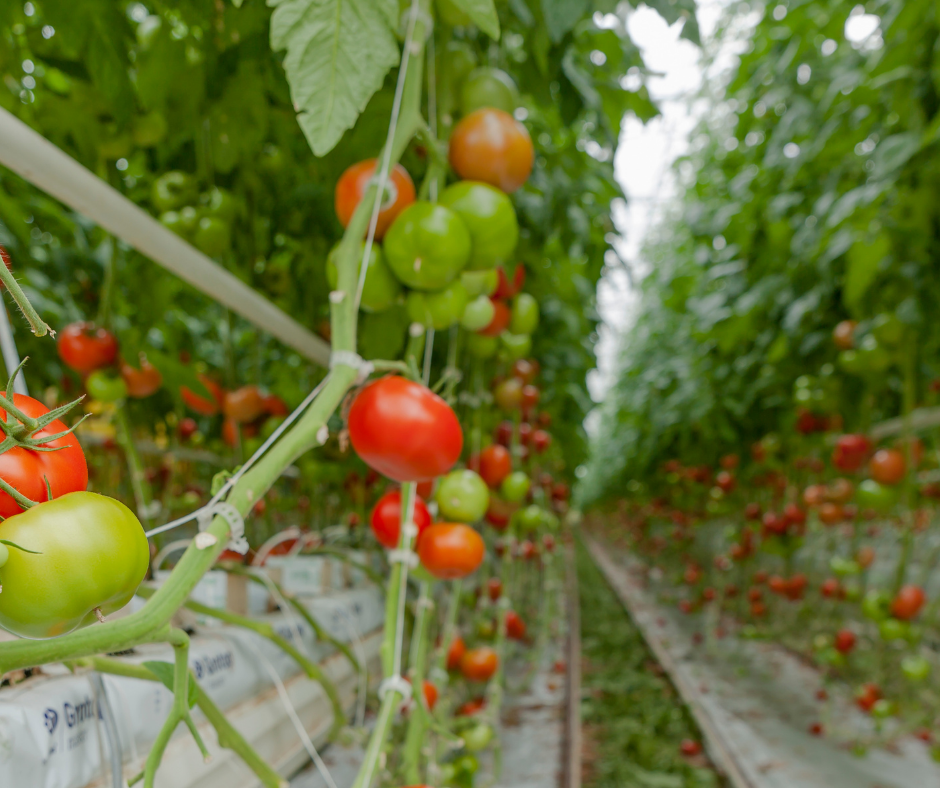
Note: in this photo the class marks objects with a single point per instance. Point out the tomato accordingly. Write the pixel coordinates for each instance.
(515, 487)
(515, 626)
(84, 347)
(530, 396)
(498, 513)
(490, 218)
(831, 513)
(141, 382)
(213, 236)
(726, 481)
(488, 87)
(105, 387)
(494, 588)
(203, 405)
(893, 629)
(187, 428)
(908, 602)
(450, 550)
(504, 288)
(490, 145)
(875, 605)
(427, 246)
(440, 309)
(380, 290)
(501, 318)
(843, 335)
(455, 653)
(480, 283)
(353, 183)
(220, 204)
(478, 314)
(872, 495)
(275, 406)
(480, 346)
(888, 466)
(503, 433)
(479, 664)
(508, 394)
(515, 346)
(915, 667)
(478, 737)
(386, 518)
(233, 431)
(463, 496)
(244, 405)
(26, 470)
(92, 556)
(495, 464)
(850, 452)
(690, 748)
(403, 430)
(867, 695)
(172, 190)
(525, 314)
(471, 707)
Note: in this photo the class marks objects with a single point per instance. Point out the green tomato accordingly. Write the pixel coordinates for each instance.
(172, 190)
(212, 236)
(485, 629)
(480, 346)
(830, 656)
(882, 709)
(478, 737)
(463, 496)
(876, 605)
(915, 667)
(220, 204)
(888, 329)
(488, 214)
(189, 219)
(92, 554)
(105, 387)
(873, 495)
(851, 361)
(525, 314)
(273, 160)
(438, 310)
(515, 346)
(174, 223)
(530, 518)
(448, 774)
(381, 289)
(843, 567)
(891, 629)
(149, 130)
(515, 487)
(853, 591)
(427, 246)
(4, 555)
(488, 87)
(480, 282)
(478, 314)
(873, 357)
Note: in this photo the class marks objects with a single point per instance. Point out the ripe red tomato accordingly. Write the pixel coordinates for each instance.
(865, 557)
(515, 626)
(850, 452)
(794, 515)
(455, 653)
(187, 428)
(84, 347)
(494, 588)
(525, 433)
(888, 466)
(844, 641)
(843, 335)
(244, 405)
(505, 288)
(495, 464)
(203, 405)
(503, 433)
(690, 748)
(524, 369)
(404, 430)
(275, 406)
(725, 481)
(867, 696)
(26, 470)
(908, 602)
(471, 707)
(141, 382)
(541, 440)
(479, 664)
(530, 396)
(501, 317)
(730, 461)
(499, 512)
(386, 518)
(352, 184)
(831, 513)
(450, 550)
(490, 145)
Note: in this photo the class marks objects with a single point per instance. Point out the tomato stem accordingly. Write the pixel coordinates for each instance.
(36, 324)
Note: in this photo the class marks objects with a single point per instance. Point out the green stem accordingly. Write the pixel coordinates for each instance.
(142, 492)
(107, 288)
(180, 709)
(450, 624)
(418, 723)
(36, 324)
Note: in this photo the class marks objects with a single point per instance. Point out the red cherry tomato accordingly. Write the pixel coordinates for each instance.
(490, 145)
(498, 513)
(455, 653)
(494, 588)
(500, 322)
(690, 748)
(503, 433)
(244, 405)
(352, 184)
(386, 518)
(142, 382)
(203, 405)
(850, 452)
(403, 430)
(725, 481)
(495, 464)
(525, 433)
(275, 406)
(844, 641)
(908, 602)
(471, 707)
(505, 288)
(515, 626)
(430, 694)
(450, 550)
(843, 335)
(84, 347)
(479, 664)
(187, 428)
(541, 440)
(530, 396)
(888, 466)
(524, 369)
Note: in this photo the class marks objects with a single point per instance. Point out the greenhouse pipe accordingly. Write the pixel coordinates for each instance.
(34, 158)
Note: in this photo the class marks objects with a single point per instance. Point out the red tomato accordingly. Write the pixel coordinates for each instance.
(503, 433)
(515, 626)
(560, 491)
(141, 382)
(867, 696)
(455, 653)
(84, 347)
(690, 748)
(752, 511)
(794, 514)
(500, 322)
(831, 513)
(865, 557)
(908, 602)
(830, 588)
(888, 466)
(490, 145)
(275, 406)
(730, 461)
(404, 430)
(27, 470)
(494, 588)
(505, 289)
(187, 428)
(525, 433)
(530, 396)
(524, 369)
(498, 513)
(386, 518)
(450, 550)
(479, 664)
(471, 707)
(244, 405)
(430, 694)
(495, 464)
(850, 452)
(202, 405)
(844, 641)
(726, 481)
(352, 184)
(541, 440)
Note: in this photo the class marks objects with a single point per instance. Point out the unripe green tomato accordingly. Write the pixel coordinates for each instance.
(530, 518)
(480, 346)
(525, 314)
(220, 204)
(515, 487)
(467, 764)
(844, 566)
(891, 629)
(448, 774)
(888, 329)
(478, 737)
(853, 591)
(105, 387)
(876, 605)
(427, 246)
(851, 361)
(149, 130)
(882, 709)
(440, 309)
(485, 629)
(212, 236)
(172, 190)
(873, 495)
(515, 346)
(92, 553)
(480, 282)
(830, 656)
(488, 87)
(915, 667)
(381, 289)
(189, 219)
(873, 356)
(463, 496)
(4, 555)
(478, 314)
(174, 223)
(489, 216)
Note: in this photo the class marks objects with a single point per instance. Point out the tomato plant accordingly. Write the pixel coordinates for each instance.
(386, 518)
(491, 146)
(352, 185)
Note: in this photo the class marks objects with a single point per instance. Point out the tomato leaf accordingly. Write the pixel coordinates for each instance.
(864, 258)
(337, 55)
(562, 15)
(483, 14)
(14, 545)
(164, 672)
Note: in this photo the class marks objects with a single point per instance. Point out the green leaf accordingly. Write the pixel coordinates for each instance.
(482, 13)
(863, 258)
(562, 15)
(338, 53)
(164, 672)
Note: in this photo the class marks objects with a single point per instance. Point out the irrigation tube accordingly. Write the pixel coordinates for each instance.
(34, 158)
